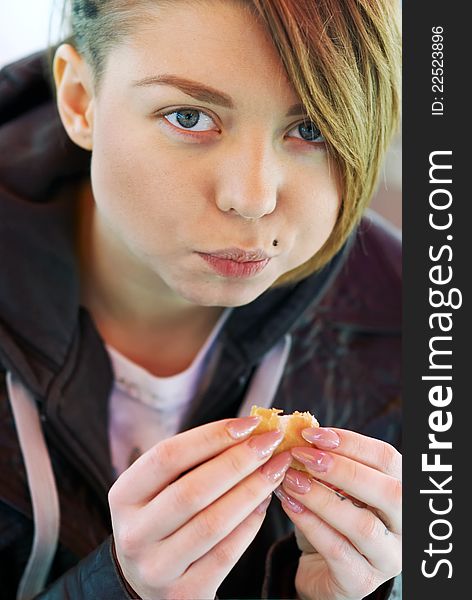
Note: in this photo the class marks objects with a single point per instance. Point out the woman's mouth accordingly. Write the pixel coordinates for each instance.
(234, 262)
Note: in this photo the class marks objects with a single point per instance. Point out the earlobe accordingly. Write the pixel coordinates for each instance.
(74, 95)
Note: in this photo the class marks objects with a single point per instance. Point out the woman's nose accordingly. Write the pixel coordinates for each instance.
(248, 183)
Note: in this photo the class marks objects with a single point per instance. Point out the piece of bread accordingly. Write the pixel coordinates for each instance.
(291, 425)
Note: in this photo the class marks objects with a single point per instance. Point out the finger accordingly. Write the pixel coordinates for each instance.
(364, 530)
(157, 568)
(382, 492)
(351, 573)
(214, 566)
(189, 495)
(165, 461)
(216, 522)
(371, 452)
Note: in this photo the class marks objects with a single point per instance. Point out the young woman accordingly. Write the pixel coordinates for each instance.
(182, 238)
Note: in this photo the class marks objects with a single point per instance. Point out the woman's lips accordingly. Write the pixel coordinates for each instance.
(239, 255)
(237, 263)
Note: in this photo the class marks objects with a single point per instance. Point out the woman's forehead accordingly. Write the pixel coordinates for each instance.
(218, 45)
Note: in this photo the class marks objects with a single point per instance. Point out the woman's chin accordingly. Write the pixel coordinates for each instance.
(231, 293)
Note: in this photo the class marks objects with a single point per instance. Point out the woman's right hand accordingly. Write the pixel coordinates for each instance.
(186, 510)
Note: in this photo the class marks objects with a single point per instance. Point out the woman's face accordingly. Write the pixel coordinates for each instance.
(198, 156)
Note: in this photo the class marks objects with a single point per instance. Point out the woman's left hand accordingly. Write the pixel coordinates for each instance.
(350, 537)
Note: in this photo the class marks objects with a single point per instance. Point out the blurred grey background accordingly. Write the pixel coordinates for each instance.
(27, 25)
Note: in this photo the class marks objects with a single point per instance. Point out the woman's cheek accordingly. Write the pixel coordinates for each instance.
(316, 217)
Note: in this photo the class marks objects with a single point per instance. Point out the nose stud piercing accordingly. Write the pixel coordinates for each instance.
(275, 243)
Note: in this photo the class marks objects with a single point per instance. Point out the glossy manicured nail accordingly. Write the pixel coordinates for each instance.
(265, 443)
(276, 467)
(240, 428)
(288, 501)
(322, 437)
(297, 482)
(263, 506)
(313, 459)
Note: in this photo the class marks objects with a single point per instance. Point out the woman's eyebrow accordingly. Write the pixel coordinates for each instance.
(201, 92)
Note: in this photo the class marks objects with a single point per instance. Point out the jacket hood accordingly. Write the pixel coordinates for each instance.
(39, 296)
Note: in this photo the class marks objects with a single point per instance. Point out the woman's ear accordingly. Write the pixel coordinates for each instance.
(75, 98)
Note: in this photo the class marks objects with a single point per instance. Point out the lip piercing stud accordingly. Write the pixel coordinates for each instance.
(275, 243)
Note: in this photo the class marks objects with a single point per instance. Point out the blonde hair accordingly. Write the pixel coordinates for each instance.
(343, 59)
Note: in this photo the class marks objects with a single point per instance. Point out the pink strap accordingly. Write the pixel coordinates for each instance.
(266, 380)
(42, 488)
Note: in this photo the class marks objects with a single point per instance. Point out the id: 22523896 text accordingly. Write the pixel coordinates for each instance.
(437, 70)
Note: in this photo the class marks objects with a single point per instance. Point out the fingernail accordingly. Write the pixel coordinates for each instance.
(240, 428)
(313, 459)
(288, 501)
(297, 482)
(321, 436)
(276, 467)
(265, 443)
(263, 506)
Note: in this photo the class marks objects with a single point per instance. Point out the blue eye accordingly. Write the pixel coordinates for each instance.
(190, 118)
(308, 131)
(187, 118)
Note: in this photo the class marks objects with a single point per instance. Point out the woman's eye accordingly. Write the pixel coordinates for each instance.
(191, 119)
(307, 131)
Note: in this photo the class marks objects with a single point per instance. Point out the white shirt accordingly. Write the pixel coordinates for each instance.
(144, 408)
